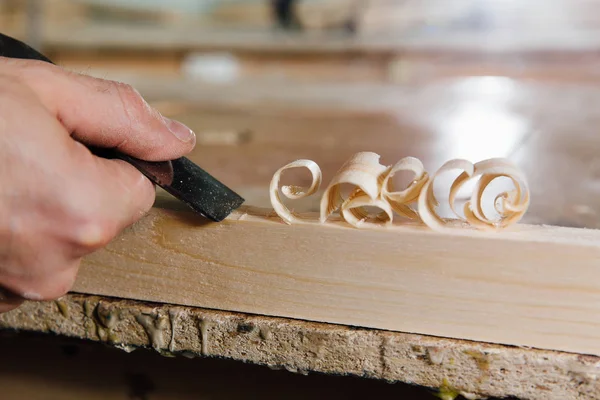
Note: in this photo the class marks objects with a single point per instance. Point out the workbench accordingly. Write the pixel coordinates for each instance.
(265, 126)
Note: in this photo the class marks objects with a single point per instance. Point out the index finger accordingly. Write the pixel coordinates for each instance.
(103, 113)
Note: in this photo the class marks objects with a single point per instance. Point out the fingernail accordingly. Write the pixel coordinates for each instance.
(32, 296)
(181, 131)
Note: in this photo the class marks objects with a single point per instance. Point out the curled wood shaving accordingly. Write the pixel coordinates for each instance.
(427, 201)
(510, 206)
(399, 200)
(354, 212)
(364, 172)
(293, 192)
(372, 186)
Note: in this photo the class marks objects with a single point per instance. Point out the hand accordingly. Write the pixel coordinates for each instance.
(58, 202)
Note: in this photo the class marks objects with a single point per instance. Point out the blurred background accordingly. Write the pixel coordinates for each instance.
(263, 83)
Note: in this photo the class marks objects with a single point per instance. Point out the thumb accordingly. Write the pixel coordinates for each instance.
(104, 113)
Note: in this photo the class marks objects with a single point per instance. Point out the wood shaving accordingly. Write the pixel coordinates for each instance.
(371, 185)
(399, 201)
(427, 201)
(365, 173)
(354, 212)
(293, 192)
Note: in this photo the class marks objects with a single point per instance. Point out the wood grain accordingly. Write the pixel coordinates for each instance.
(532, 286)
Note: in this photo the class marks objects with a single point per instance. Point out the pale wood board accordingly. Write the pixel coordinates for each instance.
(532, 286)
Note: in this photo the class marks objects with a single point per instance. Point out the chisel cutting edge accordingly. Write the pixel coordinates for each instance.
(180, 177)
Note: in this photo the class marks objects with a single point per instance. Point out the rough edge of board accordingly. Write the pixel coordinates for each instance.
(475, 370)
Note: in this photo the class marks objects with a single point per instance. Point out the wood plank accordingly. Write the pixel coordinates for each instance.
(531, 286)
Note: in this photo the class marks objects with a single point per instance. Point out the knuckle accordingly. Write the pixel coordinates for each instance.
(136, 113)
(90, 226)
(132, 100)
(89, 229)
(94, 234)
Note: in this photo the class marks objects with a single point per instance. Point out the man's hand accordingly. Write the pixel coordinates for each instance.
(58, 202)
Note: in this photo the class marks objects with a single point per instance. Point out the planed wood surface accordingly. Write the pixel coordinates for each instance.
(468, 285)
